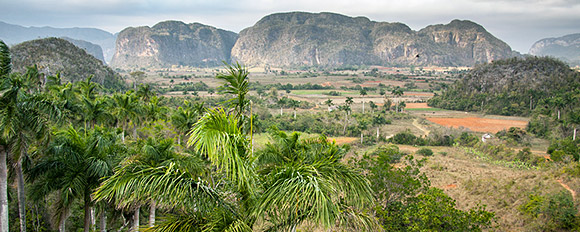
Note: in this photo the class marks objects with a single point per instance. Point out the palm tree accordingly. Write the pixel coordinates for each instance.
(185, 116)
(5, 70)
(398, 92)
(74, 165)
(329, 104)
(149, 154)
(305, 180)
(126, 109)
(236, 83)
(24, 117)
(363, 93)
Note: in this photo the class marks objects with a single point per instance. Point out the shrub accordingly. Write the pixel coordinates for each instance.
(425, 152)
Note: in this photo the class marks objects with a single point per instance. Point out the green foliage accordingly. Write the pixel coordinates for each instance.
(424, 152)
(536, 78)
(553, 212)
(513, 135)
(5, 60)
(405, 202)
(433, 210)
(561, 148)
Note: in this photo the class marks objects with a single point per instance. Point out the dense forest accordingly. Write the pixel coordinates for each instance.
(75, 158)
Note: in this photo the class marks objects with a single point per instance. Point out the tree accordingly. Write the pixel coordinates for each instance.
(137, 77)
(329, 104)
(5, 70)
(363, 93)
(405, 201)
(236, 83)
(148, 154)
(398, 92)
(24, 117)
(373, 105)
(126, 109)
(297, 172)
(74, 165)
(184, 117)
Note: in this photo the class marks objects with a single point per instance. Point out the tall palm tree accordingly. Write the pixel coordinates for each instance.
(149, 154)
(363, 93)
(398, 92)
(24, 118)
(73, 166)
(236, 83)
(185, 116)
(126, 109)
(5, 70)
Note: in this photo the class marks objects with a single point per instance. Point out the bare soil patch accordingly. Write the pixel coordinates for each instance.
(479, 124)
(417, 106)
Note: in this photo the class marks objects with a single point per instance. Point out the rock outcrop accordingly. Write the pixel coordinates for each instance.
(566, 48)
(328, 39)
(172, 43)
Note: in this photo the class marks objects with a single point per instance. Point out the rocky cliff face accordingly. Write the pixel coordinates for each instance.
(54, 55)
(90, 48)
(566, 48)
(172, 43)
(328, 39)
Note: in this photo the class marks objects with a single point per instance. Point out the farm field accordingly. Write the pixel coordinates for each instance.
(479, 124)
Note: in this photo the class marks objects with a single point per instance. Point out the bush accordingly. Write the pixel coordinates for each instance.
(555, 211)
(425, 152)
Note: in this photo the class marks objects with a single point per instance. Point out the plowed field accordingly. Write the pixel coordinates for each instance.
(479, 124)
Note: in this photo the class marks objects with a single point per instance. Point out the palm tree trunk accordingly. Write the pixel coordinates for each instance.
(87, 222)
(62, 224)
(135, 227)
(103, 221)
(574, 137)
(179, 138)
(363, 101)
(21, 195)
(3, 190)
(152, 209)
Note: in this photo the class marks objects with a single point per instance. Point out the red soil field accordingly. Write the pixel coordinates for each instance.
(417, 106)
(479, 124)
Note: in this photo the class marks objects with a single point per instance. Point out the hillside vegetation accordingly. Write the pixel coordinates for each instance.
(511, 87)
(54, 55)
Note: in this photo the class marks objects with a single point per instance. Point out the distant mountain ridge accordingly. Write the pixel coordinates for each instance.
(90, 48)
(329, 39)
(14, 34)
(56, 55)
(173, 43)
(566, 48)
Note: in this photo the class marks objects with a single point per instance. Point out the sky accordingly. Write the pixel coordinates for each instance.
(520, 23)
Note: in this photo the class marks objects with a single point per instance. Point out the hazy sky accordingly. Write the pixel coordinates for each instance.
(518, 22)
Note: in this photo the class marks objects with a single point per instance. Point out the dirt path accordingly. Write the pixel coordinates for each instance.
(569, 189)
(416, 124)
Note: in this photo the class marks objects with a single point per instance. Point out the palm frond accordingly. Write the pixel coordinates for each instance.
(219, 136)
